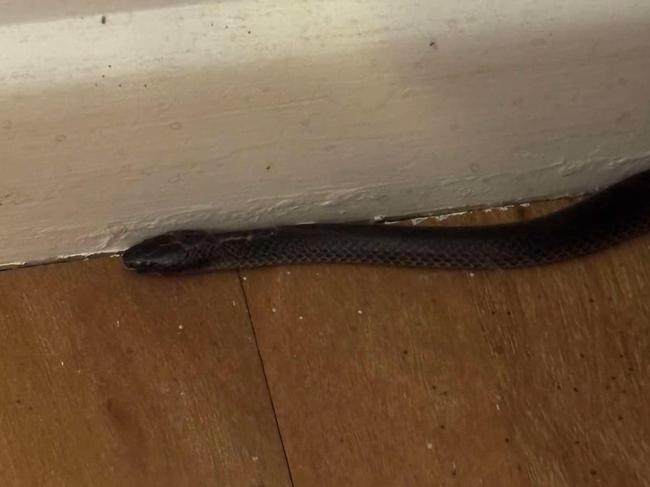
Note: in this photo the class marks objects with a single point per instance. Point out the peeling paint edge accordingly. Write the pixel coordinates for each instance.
(115, 237)
(415, 219)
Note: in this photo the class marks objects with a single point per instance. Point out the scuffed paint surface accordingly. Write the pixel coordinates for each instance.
(308, 111)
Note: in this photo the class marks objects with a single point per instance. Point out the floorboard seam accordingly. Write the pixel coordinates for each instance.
(266, 379)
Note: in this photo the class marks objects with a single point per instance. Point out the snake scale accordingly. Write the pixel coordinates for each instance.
(618, 213)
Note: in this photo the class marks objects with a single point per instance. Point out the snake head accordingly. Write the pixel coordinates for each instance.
(173, 252)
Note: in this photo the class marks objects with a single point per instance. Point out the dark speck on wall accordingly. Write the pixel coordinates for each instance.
(103, 19)
(433, 44)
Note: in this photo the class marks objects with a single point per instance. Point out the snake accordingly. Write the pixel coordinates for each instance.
(608, 217)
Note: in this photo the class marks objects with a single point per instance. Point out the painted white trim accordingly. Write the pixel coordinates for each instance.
(245, 113)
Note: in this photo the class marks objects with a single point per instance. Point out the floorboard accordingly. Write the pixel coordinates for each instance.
(386, 376)
(377, 376)
(112, 379)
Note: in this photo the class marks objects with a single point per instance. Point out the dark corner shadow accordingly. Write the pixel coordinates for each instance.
(12, 12)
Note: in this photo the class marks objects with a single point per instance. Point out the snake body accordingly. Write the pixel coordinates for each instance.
(618, 213)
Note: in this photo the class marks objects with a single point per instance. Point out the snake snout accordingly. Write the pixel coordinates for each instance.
(161, 254)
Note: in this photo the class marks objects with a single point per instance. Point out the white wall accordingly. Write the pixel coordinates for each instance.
(243, 113)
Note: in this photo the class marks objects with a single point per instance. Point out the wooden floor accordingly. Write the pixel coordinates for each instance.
(328, 375)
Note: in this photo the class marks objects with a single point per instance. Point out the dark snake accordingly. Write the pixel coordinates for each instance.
(618, 213)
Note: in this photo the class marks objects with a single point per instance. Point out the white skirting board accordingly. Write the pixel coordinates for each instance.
(120, 120)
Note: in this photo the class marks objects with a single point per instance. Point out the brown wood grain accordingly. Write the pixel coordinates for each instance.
(379, 376)
(399, 377)
(110, 379)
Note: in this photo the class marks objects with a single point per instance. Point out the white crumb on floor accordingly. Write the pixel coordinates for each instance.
(359, 311)
(234, 304)
(180, 327)
(255, 458)
(244, 278)
(62, 363)
(288, 273)
(429, 446)
(301, 317)
(117, 323)
(273, 310)
(471, 274)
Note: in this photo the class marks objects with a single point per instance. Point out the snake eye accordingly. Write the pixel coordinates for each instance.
(171, 252)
